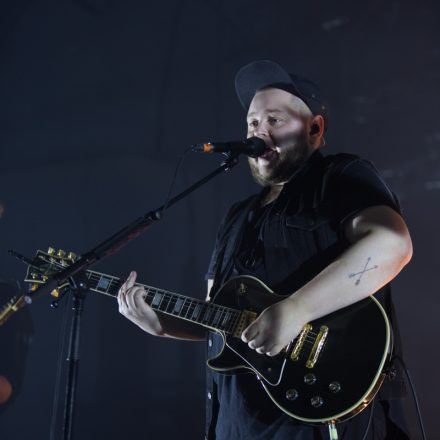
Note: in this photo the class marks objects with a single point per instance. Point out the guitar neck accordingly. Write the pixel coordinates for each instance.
(208, 315)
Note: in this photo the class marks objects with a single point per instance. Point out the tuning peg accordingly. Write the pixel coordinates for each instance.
(61, 253)
(71, 256)
(45, 278)
(34, 275)
(33, 287)
(51, 251)
(56, 293)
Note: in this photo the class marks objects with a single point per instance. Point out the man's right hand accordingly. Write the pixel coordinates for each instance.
(132, 305)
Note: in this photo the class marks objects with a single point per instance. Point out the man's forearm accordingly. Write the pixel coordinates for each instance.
(180, 329)
(360, 271)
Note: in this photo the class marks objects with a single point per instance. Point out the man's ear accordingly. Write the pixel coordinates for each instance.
(316, 131)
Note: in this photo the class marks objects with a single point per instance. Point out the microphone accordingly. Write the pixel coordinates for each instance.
(253, 147)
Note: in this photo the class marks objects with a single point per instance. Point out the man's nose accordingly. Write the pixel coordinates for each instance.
(262, 131)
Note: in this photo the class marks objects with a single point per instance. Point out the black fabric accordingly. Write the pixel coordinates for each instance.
(285, 244)
(264, 74)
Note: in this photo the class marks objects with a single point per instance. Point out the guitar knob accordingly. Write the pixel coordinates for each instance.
(61, 253)
(71, 256)
(316, 401)
(309, 379)
(291, 394)
(334, 387)
(50, 251)
(55, 293)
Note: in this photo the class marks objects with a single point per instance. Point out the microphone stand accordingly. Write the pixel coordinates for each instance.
(76, 276)
(78, 287)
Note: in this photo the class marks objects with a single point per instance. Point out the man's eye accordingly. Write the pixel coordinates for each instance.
(253, 124)
(274, 120)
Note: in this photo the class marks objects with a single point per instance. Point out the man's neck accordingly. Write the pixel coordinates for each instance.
(274, 190)
(271, 194)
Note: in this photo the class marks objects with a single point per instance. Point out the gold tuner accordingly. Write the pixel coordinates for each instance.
(61, 253)
(34, 287)
(71, 256)
(51, 250)
(55, 293)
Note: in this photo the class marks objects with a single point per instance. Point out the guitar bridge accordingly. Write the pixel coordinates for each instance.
(246, 318)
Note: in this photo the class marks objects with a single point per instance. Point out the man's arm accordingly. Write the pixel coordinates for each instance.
(133, 307)
(380, 248)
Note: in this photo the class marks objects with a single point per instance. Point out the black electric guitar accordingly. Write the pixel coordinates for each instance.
(327, 374)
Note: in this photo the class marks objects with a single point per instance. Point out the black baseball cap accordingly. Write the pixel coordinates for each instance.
(266, 74)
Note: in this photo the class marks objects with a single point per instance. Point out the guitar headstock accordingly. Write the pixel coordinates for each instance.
(45, 265)
(39, 270)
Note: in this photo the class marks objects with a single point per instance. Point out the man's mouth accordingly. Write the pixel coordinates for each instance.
(269, 154)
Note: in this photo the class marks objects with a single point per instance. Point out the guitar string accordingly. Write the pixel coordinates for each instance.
(116, 283)
(188, 304)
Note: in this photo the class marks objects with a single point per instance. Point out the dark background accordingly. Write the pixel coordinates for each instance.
(98, 98)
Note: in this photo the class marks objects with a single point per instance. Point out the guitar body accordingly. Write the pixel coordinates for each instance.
(338, 369)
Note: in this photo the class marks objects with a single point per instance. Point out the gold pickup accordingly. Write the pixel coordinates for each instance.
(317, 346)
(300, 342)
(246, 319)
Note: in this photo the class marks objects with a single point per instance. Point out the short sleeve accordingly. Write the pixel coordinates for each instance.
(356, 186)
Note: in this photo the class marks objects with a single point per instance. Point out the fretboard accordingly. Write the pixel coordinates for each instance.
(208, 315)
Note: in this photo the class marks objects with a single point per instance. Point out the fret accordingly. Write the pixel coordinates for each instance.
(190, 308)
(103, 283)
(162, 296)
(164, 302)
(232, 320)
(196, 312)
(225, 319)
(150, 295)
(171, 303)
(216, 317)
(226, 322)
(178, 306)
(207, 315)
(157, 299)
(185, 307)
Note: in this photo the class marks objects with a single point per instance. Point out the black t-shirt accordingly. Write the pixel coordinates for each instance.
(284, 238)
(285, 244)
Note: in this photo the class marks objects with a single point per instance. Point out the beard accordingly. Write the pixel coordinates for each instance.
(284, 164)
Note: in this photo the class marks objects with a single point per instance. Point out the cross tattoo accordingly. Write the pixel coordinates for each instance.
(365, 269)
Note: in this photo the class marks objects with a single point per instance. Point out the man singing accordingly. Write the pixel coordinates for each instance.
(317, 221)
